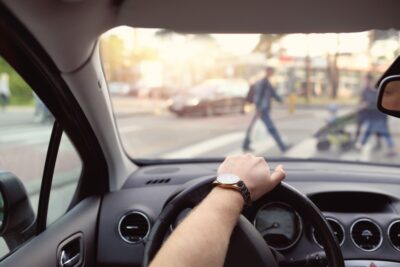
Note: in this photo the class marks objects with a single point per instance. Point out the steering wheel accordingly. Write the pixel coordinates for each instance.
(247, 247)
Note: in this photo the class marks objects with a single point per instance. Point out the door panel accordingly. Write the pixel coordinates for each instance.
(43, 250)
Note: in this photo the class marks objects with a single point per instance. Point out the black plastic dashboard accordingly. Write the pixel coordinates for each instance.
(363, 199)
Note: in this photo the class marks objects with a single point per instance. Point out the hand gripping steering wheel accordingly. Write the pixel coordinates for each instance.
(247, 247)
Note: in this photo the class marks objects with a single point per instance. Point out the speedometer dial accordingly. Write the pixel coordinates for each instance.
(279, 224)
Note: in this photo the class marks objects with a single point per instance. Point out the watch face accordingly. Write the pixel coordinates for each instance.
(228, 179)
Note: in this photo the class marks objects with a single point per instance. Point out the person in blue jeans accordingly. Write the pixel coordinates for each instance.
(363, 113)
(376, 121)
(264, 92)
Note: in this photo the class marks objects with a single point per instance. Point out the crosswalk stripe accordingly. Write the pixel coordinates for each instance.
(26, 137)
(21, 129)
(364, 155)
(33, 134)
(305, 149)
(205, 146)
(259, 147)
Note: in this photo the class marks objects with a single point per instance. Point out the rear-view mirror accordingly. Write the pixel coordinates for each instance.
(389, 96)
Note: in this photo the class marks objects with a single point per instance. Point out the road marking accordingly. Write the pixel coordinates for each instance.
(36, 134)
(305, 149)
(364, 155)
(23, 129)
(205, 146)
(26, 137)
(20, 135)
(260, 147)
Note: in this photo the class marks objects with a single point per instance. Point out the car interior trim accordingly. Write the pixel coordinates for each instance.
(340, 225)
(388, 234)
(378, 227)
(48, 173)
(299, 234)
(147, 221)
(366, 263)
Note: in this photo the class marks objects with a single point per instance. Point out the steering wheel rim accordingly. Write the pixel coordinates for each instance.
(199, 188)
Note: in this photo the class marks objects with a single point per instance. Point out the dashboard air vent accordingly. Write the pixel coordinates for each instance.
(158, 181)
(394, 234)
(366, 234)
(134, 227)
(337, 229)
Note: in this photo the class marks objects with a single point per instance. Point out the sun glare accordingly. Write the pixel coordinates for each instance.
(237, 44)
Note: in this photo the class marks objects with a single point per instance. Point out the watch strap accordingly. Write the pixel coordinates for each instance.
(245, 192)
(240, 186)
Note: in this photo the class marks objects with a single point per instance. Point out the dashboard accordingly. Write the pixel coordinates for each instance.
(360, 202)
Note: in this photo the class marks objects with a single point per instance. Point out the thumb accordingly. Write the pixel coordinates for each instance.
(278, 175)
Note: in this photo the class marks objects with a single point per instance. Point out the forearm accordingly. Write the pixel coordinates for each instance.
(202, 238)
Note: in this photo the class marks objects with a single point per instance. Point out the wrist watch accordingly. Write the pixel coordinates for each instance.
(231, 181)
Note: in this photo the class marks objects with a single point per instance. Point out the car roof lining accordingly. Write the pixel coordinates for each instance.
(260, 16)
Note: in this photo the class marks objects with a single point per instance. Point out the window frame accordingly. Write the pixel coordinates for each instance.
(22, 51)
(47, 177)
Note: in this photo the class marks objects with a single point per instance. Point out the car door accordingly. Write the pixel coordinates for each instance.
(67, 197)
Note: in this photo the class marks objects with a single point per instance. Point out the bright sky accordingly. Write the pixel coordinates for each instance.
(321, 44)
(241, 44)
(234, 43)
(237, 44)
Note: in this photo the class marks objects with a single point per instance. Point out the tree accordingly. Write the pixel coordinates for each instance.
(21, 93)
(266, 42)
(112, 53)
(333, 74)
(332, 69)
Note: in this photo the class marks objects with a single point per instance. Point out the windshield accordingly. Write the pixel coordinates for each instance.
(184, 96)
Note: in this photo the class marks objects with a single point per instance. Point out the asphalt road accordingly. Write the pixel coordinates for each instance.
(167, 136)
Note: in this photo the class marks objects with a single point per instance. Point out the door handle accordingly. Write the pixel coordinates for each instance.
(70, 252)
(68, 260)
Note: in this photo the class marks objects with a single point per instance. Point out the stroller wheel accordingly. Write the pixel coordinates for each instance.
(346, 146)
(323, 145)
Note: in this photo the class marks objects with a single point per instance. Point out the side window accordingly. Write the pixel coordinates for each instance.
(24, 134)
(25, 129)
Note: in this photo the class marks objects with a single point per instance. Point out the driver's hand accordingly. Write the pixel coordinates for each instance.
(254, 172)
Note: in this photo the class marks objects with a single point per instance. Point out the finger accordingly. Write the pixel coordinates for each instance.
(248, 155)
(261, 160)
(278, 175)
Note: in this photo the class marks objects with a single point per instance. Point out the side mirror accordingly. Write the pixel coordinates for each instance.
(389, 96)
(16, 214)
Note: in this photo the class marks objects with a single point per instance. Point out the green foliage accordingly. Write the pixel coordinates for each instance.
(21, 93)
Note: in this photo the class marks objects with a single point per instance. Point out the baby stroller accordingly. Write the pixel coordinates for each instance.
(334, 134)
